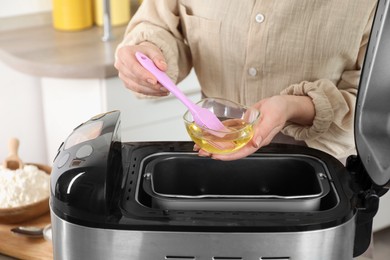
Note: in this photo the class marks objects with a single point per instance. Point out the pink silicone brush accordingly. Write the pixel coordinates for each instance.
(202, 116)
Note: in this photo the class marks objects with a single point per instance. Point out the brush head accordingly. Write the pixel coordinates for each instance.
(206, 119)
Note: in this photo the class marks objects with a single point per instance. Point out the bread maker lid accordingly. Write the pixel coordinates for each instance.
(372, 116)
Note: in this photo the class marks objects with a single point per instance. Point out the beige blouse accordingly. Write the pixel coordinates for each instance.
(246, 50)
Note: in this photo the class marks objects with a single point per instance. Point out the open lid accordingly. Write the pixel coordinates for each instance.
(372, 122)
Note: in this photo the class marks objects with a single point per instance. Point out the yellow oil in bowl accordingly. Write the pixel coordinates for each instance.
(238, 135)
(238, 120)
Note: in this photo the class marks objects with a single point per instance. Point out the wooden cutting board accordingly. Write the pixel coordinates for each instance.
(22, 247)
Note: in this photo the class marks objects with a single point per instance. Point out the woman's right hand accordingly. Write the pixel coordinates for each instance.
(136, 77)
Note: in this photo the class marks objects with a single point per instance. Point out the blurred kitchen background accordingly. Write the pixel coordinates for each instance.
(55, 76)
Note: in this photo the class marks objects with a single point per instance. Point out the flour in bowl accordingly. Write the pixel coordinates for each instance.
(23, 186)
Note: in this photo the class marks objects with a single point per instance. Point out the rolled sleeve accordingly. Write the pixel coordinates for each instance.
(332, 128)
(324, 112)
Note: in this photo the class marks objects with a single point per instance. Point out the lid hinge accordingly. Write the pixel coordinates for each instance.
(367, 206)
(361, 181)
(367, 193)
(366, 202)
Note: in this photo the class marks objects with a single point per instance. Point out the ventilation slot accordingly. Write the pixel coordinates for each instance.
(175, 257)
(275, 258)
(226, 258)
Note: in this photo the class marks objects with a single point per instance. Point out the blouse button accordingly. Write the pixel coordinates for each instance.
(252, 71)
(259, 18)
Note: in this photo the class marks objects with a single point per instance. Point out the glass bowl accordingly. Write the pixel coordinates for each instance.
(238, 119)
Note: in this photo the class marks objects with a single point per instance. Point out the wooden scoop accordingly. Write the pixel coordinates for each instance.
(13, 162)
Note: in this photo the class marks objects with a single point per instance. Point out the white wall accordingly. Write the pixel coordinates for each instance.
(22, 7)
(66, 104)
(21, 111)
(21, 115)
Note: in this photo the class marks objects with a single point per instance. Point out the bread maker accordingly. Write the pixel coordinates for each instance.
(160, 200)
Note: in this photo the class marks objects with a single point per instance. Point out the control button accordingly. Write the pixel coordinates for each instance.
(259, 18)
(84, 151)
(62, 161)
(76, 162)
(252, 71)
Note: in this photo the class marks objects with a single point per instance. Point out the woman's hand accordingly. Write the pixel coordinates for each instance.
(136, 77)
(274, 113)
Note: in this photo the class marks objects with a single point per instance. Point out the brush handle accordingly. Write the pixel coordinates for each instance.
(164, 80)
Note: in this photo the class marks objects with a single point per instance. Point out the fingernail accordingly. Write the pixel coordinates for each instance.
(151, 81)
(203, 153)
(164, 89)
(257, 141)
(163, 62)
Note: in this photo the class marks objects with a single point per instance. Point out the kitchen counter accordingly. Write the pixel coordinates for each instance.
(13, 246)
(31, 45)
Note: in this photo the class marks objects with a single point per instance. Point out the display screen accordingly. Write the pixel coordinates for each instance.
(84, 133)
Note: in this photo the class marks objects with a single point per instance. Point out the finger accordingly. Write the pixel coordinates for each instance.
(160, 63)
(125, 71)
(144, 84)
(256, 140)
(196, 148)
(243, 152)
(268, 139)
(203, 153)
(265, 133)
(265, 130)
(129, 66)
(139, 88)
(155, 54)
(142, 75)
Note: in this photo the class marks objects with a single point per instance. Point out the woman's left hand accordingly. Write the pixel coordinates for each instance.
(274, 113)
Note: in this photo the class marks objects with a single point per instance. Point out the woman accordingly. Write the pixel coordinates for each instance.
(297, 61)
